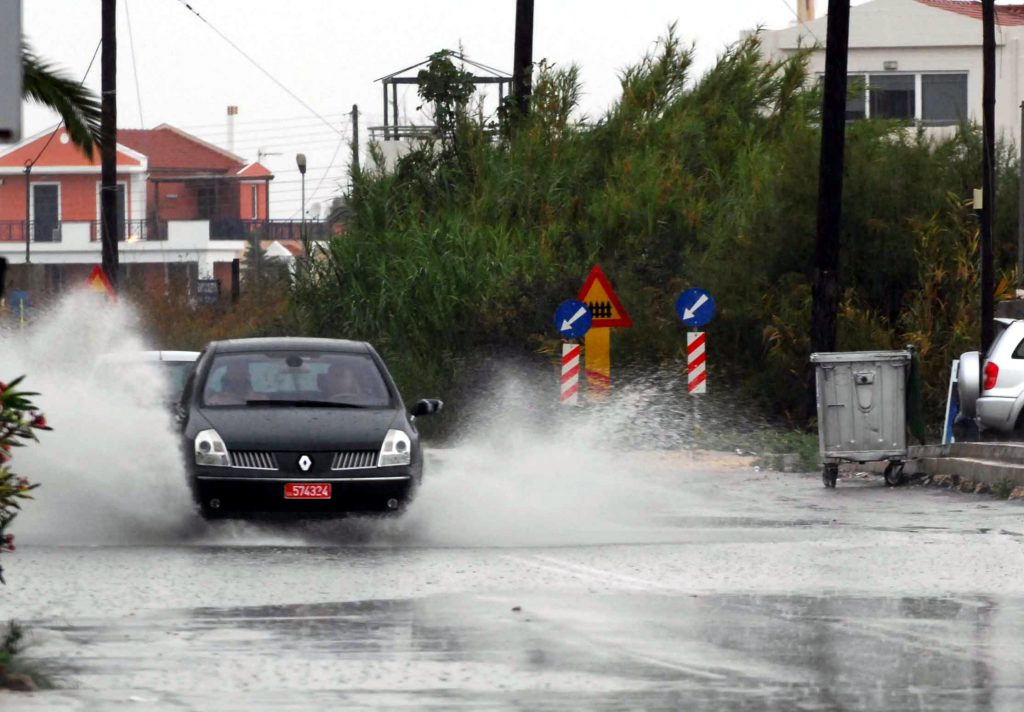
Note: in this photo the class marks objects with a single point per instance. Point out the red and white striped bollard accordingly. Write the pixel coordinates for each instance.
(570, 374)
(695, 366)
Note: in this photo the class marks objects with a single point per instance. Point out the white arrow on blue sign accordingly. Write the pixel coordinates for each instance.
(695, 307)
(572, 319)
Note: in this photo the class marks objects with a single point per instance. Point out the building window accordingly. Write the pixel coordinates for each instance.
(254, 191)
(934, 99)
(943, 99)
(856, 97)
(205, 201)
(892, 96)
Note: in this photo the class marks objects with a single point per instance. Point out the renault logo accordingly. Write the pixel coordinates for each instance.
(305, 463)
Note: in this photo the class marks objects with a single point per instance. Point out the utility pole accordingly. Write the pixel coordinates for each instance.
(355, 140)
(108, 143)
(28, 214)
(988, 184)
(1020, 204)
(825, 290)
(522, 63)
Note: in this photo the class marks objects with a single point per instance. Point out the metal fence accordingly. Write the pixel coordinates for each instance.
(14, 231)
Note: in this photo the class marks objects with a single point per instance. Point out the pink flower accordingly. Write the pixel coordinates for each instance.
(39, 421)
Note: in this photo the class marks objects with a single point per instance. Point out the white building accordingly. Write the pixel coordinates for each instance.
(918, 60)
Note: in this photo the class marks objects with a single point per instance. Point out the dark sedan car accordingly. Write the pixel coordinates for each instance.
(298, 426)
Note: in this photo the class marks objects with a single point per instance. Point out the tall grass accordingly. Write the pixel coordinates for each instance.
(687, 180)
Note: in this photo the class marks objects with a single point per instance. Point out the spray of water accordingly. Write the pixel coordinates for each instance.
(110, 471)
(523, 471)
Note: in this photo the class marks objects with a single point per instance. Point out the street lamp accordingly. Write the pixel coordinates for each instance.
(300, 161)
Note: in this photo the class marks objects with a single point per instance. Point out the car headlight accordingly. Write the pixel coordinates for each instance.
(210, 450)
(396, 450)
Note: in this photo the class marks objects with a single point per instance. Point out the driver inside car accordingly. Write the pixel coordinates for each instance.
(339, 383)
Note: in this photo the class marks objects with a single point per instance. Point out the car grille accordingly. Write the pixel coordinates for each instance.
(354, 460)
(253, 459)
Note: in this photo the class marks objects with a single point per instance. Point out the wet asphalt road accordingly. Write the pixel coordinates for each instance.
(721, 589)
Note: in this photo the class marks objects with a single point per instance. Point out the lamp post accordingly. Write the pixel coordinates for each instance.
(300, 161)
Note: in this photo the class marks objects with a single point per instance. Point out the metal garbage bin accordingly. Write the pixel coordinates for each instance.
(862, 410)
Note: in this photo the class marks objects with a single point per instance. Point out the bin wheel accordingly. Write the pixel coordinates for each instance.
(829, 475)
(894, 474)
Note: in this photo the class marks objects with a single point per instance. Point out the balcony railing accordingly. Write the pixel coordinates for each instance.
(150, 230)
(133, 230)
(14, 231)
(234, 229)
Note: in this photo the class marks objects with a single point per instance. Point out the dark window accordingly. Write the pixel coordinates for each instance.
(205, 201)
(1017, 352)
(892, 96)
(943, 99)
(856, 103)
(45, 213)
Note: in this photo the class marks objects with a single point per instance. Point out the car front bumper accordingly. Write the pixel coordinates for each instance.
(231, 495)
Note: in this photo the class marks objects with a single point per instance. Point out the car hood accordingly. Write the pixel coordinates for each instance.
(283, 429)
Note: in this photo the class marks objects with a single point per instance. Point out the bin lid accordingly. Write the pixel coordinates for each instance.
(859, 356)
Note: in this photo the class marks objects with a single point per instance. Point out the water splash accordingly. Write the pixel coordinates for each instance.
(110, 471)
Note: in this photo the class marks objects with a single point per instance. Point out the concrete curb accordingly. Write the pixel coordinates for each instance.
(989, 463)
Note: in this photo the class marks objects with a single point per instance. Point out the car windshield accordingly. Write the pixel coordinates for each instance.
(307, 378)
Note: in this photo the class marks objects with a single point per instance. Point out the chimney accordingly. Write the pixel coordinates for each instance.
(805, 11)
(232, 113)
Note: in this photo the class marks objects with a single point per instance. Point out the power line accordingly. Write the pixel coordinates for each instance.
(135, 64)
(242, 122)
(256, 64)
(799, 21)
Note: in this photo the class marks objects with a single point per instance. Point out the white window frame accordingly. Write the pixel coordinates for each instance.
(32, 203)
(918, 117)
(254, 194)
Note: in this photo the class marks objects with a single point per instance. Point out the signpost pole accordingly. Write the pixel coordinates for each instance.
(570, 394)
(696, 371)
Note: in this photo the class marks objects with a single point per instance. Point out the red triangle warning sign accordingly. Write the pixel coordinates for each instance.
(597, 293)
(98, 282)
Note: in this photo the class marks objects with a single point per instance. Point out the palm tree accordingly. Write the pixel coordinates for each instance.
(79, 109)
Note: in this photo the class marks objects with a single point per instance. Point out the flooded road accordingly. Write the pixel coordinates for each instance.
(733, 589)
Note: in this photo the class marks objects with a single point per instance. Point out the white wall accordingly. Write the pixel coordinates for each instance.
(188, 241)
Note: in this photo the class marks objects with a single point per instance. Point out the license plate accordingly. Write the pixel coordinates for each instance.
(307, 490)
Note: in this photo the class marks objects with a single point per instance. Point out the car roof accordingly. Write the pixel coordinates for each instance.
(289, 343)
(144, 356)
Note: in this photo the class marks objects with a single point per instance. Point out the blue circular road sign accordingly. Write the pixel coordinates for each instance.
(695, 307)
(572, 319)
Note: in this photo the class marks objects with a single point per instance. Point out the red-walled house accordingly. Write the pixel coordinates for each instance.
(181, 200)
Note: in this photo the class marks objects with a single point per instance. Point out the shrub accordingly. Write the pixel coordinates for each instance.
(19, 421)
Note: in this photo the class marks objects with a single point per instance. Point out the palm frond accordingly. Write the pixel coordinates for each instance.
(78, 107)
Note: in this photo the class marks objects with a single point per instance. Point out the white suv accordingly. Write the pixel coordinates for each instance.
(998, 399)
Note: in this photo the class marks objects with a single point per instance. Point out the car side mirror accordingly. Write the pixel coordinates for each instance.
(427, 406)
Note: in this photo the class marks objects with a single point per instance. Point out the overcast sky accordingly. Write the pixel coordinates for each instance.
(328, 53)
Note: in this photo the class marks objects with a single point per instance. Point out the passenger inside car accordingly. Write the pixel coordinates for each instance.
(235, 386)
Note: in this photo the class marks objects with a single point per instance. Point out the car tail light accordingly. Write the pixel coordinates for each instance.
(991, 374)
